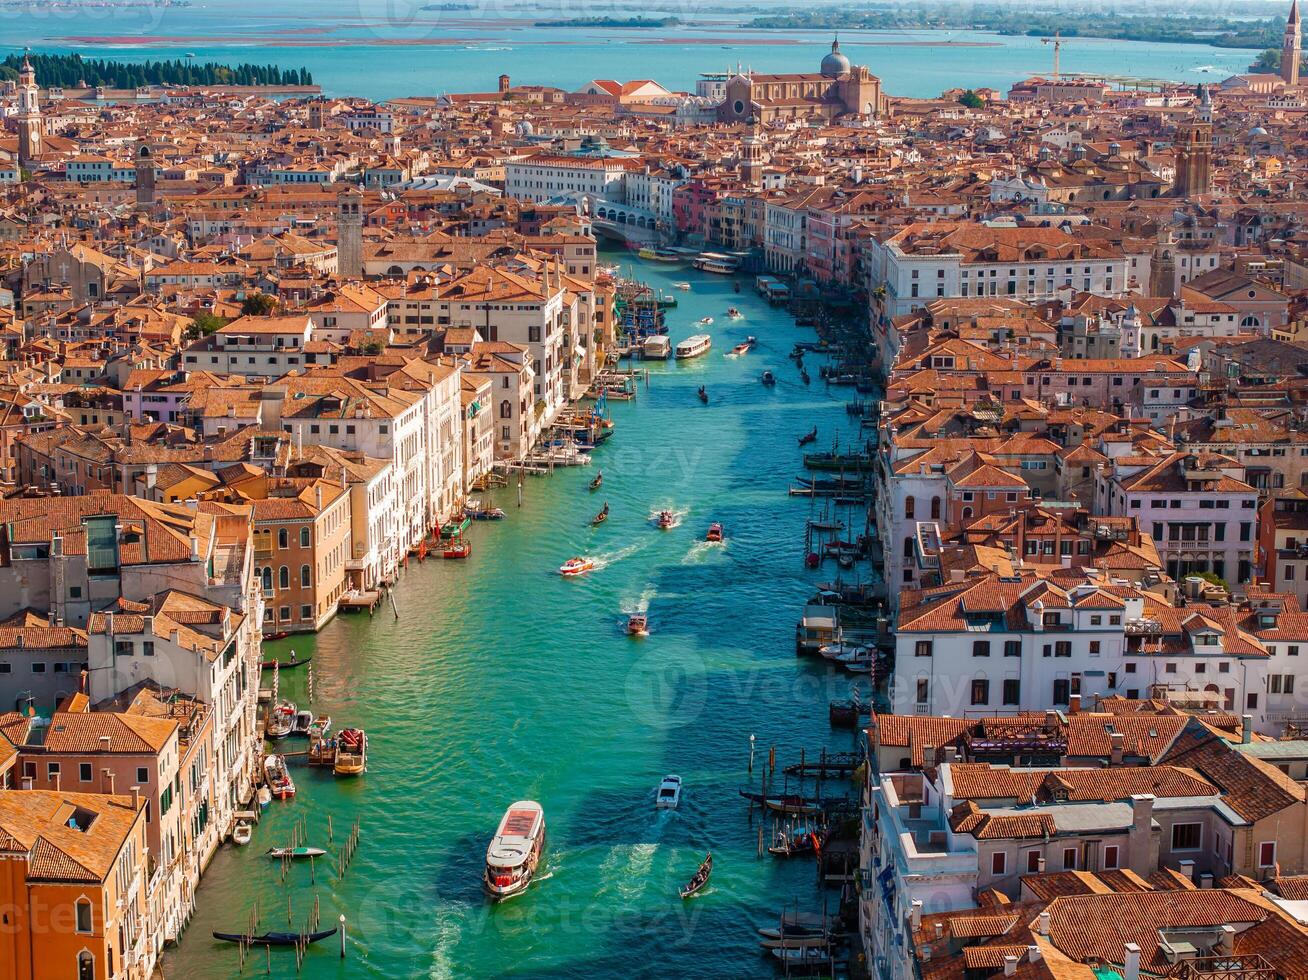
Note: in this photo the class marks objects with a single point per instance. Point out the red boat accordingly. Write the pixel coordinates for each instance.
(637, 625)
(667, 519)
(714, 532)
(457, 549)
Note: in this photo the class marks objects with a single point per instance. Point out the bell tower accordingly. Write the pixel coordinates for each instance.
(751, 159)
(1292, 46)
(29, 114)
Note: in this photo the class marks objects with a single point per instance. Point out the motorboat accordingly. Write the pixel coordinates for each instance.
(455, 528)
(694, 346)
(599, 479)
(701, 878)
(275, 938)
(669, 793)
(576, 566)
(515, 851)
(655, 348)
(242, 833)
(714, 532)
(303, 719)
(705, 321)
(351, 752)
(279, 780)
(296, 852)
(637, 625)
(320, 727)
(601, 517)
(841, 651)
(281, 719)
(456, 549)
(769, 378)
(681, 285)
(666, 520)
(486, 514)
(744, 347)
(735, 314)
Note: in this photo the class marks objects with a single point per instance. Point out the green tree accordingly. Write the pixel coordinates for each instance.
(205, 323)
(971, 100)
(259, 304)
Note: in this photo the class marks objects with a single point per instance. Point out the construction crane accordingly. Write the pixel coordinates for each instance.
(1057, 42)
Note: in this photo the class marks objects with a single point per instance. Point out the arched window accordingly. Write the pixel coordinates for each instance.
(305, 580)
(909, 505)
(967, 513)
(266, 575)
(304, 537)
(1251, 321)
(283, 577)
(395, 270)
(283, 538)
(84, 920)
(935, 508)
(506, 409)
(85, 965)
(908, 547)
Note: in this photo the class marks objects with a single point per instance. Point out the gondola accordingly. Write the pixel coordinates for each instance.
(769, 378)
(794, 845)
(701, 878)
(274, 938)
(803, 376)
(595, 483)
(601, 517)
(286, 664)
(296, 852)
(703, 395)
(808, 437)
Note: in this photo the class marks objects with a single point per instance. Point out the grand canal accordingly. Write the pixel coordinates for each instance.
(502, 681)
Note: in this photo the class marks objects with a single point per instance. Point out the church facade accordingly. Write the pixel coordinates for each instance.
(838, 89)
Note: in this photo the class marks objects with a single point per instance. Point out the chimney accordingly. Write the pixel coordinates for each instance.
(1040, 864)
(1043, 926)
(1119, 742)
(1226, 941)
(1246, 729)
(1131, 969)
(136, 797)
(317, 495)
(1142, 847)
(105, 742)
(1010, 965)
(1074, 704)
(915, 916)
(1186, 867)
(27, 782)
(928, 755)
(109, 780)
(940, 930)
(1033, 954)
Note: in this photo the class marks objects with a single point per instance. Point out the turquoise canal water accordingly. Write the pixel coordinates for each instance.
(503, 681)
(382, 49)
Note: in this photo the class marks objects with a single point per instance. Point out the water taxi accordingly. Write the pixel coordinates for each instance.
(656, 348)
(666, 520)
(694, 346)
(661, 255)
(744, 348)
(681, 285)
(669, 793)
(714, 532)
(576, 566)
(735, 314)
(279, 780)
(706, 321)
(351, 752)
(637, 625)
(303, 719)
(514, 852)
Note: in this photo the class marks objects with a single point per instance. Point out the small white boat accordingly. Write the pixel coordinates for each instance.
(241, 833)
(279, 780)
(264, 797)
(515, 850)
(694, 346)
(705, 320)
(843, 651)
(681, 285)
(281, 719)
(303, 720)
(576, 566)
(669, 794)
(296, 852)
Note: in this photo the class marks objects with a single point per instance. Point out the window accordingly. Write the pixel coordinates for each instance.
(283, 578)
(142, 775)
(306, 613)
(1061, 690)
(922, 689)
(1012, 648)
(1110, 857)
(1012, 691)
(980, 648)
(980, 691)
(1069, 859)
(84, 923)
(1094, 648)
(1186, 836)
(998, 863)
(283, 538)
(923, 648)
(305, 579)
(147, 648)
(909, 506)
(1267, 854)
(304, 537)
(86, 965)
(1063, 648)
(52, 771)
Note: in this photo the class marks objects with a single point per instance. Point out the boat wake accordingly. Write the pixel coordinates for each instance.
(613, 557)
(640, 604)
(677, 515)
(701, 550)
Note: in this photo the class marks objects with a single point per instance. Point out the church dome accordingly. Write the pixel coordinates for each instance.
(835, 64)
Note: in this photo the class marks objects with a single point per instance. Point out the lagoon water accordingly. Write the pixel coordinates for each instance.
(503, 681)
(382, 49)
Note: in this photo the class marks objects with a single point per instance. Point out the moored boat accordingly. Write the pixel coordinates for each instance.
(482, 514)
(281, 719)
(694, 346)
(576, 566)
(669, 793)
(656, 348)
(295, 852)
(242, 832)
(264, 796)
(351, 752)
(847, 714)
(279, 780)
(637, 625)
(714, 532)
(701, 878)
(515, 851)
(303, 719)
(453, 529)
(274, 938)
(793, 845)
(320, 727)
(457, 548)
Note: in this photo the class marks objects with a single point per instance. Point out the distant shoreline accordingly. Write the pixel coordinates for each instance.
(380, 42)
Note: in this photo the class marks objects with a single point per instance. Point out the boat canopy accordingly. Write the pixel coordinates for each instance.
(514, 840)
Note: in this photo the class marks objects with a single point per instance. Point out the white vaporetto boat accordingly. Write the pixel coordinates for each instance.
(514, 853)
(694, 346)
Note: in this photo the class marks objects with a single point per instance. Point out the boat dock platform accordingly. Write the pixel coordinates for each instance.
(365, 601)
